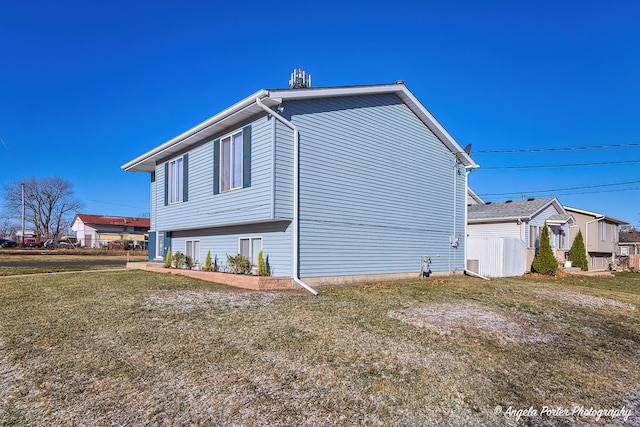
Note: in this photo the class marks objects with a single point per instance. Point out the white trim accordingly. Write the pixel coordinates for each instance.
(230, 136)
(251, 239)
(194, 259)
(146, 162)
(247, 108)
(170, 181)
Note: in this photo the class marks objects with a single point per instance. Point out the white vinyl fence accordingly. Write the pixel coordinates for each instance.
(497, 256)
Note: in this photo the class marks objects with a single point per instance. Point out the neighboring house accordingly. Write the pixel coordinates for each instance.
(629, 241)
(96, 231)
(503, 236)
(333, 184)
(600, 233)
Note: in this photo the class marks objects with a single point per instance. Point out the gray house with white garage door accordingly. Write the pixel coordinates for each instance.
(333, 184)
(503, 237)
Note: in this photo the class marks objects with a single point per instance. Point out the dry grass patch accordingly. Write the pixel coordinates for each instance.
(138, 348)
(455, 318)
(188, 300)
(580, 299)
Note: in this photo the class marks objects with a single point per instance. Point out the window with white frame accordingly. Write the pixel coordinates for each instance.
(250, 247)
(192, 249)
(175, 180)
(603, 231)
(160, 244)
(231, 162)
(534, 231)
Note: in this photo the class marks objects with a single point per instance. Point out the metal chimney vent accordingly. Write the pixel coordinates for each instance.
(300, 79)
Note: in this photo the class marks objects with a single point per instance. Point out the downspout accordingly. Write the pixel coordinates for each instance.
(466, 214)
(296, 185)
(586, 235)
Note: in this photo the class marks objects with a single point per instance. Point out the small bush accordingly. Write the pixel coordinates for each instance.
(216, 264)
(190, 262)
(207, 262)
(578, 253)
(178, 259)
(167, 258)
(238, 264)
(545, 261)
(262, 265)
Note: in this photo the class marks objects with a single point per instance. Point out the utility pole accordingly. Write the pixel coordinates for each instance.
(22, 237)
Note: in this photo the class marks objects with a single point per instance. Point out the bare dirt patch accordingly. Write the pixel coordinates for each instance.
(580, 299)
(449, 318)
(190, 300)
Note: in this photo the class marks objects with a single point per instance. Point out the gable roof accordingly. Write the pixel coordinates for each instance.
(113, 220)
(247, 108)
(595, 215)
(512, 210)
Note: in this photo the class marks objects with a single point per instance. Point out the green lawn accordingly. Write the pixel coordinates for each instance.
(142, 348)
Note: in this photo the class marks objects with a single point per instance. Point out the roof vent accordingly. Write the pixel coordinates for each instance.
(530, 200)
(509, 201)
(488, 203)
(300, 79)
(399, 82)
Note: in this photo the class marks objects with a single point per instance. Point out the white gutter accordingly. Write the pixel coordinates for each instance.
(586, 234)
(296, 185)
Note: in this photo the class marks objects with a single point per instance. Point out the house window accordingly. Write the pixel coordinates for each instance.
(231, 162)
(615, 233)
(534, 230)
(603, 231)
(192, 249)
(176, 174)
(250, 247)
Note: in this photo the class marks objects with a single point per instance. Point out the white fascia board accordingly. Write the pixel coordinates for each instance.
(593, 214)
(596, 215)
(403, 93)
(502, 219)
(137, 163)
(435, 126)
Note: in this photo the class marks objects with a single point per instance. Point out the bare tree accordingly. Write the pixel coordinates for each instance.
(8, 228)
(49, 203)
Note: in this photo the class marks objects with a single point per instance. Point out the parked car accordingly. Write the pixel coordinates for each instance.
(6, 243)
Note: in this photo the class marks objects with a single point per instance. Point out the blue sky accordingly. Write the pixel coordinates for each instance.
(87, 86)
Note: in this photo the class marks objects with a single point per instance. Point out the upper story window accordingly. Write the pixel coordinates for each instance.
(603, 231)
(232, 161)
(175, 180)
(176, 172)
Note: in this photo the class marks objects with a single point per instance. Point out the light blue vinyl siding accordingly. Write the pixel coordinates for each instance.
(284, 172)
(204, 209)
(276, 243)
(376, 189)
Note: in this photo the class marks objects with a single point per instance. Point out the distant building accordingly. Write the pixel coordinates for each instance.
(97, 231)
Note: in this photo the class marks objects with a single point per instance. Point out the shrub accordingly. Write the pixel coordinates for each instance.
(216, 264)
(545, 261)
(578, 253)
(179, 259)
(207, 262)
(167, 258)
(190, 262)
(238, 264)
(262, 265)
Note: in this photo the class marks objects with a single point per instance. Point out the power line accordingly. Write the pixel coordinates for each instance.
(540, 150)
(583, 192)
(561, 189)
(565, 165)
